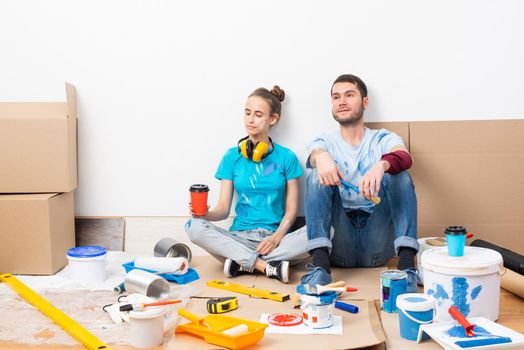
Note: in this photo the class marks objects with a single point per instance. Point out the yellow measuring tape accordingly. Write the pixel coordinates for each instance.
(67, 323)
(251, 291)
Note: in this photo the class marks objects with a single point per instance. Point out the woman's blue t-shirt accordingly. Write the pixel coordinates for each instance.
(261, 187)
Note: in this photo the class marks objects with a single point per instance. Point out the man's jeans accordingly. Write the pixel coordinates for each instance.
(361, 239)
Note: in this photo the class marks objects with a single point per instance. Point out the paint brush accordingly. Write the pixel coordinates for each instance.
(349, 186)
(141, 306)
(315, 289)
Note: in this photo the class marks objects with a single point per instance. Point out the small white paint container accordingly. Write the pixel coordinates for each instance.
(87, 264)
(146, 328)
(470, 282)
(317, 310)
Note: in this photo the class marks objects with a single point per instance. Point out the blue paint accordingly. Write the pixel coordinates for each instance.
(415, 299)
(188, 223)
(391, 289)
(482, 342)
(460, 332)
(381, 135)
(270, 168)
(346, 164)
(460, 291)
(362, 169)
(440, 294)
(475, 292)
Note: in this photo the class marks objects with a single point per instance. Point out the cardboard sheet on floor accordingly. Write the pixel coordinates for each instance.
(360, 330)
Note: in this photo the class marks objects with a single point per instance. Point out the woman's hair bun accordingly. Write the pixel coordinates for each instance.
(278, 92)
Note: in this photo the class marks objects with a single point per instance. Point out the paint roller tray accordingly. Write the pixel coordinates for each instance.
(211, 327)
(440, 333)
(190, 276)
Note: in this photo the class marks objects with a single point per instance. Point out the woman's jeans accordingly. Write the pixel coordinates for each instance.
(241, 246)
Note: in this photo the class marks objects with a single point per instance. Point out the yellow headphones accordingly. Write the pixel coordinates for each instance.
(254, 151)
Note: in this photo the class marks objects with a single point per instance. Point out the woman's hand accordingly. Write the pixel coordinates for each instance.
(192, 212)
(267, 246)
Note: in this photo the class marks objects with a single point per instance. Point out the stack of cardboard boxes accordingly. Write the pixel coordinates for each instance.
(38, 174)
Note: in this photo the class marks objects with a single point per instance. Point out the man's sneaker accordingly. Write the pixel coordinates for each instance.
(233, 269)
(413, 280)
(316, 275)
(278, 270)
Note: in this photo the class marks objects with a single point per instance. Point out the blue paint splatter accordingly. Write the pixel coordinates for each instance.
(346, 164)
(270, 168)
(362, 169)
(475, 292)
(460, 332)
(381, 135)
(440, 294)
(460, 291)
(188, 223)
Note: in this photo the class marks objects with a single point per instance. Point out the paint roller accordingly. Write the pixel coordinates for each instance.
(512, 260)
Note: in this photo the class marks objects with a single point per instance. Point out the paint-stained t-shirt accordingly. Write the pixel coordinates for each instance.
(261, 187)
(356, 161)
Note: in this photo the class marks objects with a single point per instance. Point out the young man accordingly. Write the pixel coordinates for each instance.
(371, 226)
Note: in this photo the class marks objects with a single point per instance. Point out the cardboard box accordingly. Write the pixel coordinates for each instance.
(38, 152)
(36, 230)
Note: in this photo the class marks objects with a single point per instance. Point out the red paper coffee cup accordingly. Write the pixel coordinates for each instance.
(199, 198)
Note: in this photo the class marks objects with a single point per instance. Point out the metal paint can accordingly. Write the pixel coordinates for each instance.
(146, 283)
(392, 284)
(169, 248)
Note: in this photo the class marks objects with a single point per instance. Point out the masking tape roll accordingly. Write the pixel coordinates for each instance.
(512, 282)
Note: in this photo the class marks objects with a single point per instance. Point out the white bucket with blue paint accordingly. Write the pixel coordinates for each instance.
(470, 282)
(414, 309)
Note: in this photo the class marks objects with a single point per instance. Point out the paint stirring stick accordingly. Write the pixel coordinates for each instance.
(375, 200)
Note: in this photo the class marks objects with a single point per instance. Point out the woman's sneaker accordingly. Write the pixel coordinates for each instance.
(278, 270)
(233, 269)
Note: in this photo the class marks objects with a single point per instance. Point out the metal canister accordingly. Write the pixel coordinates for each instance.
(392, 284)
(146, 283)
(168, 247)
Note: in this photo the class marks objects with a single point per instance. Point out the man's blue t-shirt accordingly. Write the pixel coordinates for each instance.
(356, 161)
(261, 187)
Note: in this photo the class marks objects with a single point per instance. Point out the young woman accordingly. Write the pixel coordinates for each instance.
(264, 176)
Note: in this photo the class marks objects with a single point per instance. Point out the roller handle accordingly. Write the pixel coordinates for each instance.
(346, 307)
(457, 315)
(190, 316)
(162, 303)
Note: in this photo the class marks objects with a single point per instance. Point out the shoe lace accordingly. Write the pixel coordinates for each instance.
(271, 270)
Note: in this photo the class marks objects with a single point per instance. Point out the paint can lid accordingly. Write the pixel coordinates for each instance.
(88, 251)
(320, 299)
(415, 302)
(476, 261)
(284, 319)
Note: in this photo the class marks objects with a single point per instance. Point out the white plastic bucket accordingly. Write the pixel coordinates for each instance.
(425, 245)
(317, 310)
(414, 309)
(87, 264)
(146, 328)
(470, 282)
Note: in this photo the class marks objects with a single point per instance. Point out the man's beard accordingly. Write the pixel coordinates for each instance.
(352, 120)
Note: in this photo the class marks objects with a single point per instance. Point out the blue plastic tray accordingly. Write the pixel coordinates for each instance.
(190, 276)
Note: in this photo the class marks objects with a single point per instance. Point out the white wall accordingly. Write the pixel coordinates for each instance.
(161, 84)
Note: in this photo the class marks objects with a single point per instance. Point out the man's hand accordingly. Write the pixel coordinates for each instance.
(267, 246)
(369, 184)
(328, 172)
